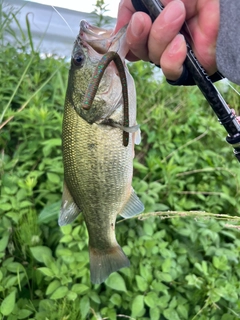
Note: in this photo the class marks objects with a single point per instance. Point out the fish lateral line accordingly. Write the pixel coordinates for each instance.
(95, 81)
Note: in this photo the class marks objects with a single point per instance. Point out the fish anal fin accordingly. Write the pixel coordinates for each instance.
(132, 207)
(69, 210)
(104, 262)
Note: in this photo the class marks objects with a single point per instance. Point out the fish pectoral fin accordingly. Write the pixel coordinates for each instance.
(133, 206)
(69, 210)
(137, 137)
(104, 262)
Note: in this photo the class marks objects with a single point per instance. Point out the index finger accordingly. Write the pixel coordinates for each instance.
(125, 12)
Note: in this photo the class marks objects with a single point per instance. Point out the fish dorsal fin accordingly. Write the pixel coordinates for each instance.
(132, 207)
(69, 210)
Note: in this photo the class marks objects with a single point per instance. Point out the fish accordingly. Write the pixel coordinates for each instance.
(98, 165)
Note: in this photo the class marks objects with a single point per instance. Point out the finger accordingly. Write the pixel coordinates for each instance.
(190, 6)
(125, 12)
(203, 31)
(173, 57)
(165, 28)
(137, 35)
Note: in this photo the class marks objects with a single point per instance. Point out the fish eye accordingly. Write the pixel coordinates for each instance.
(78, 59)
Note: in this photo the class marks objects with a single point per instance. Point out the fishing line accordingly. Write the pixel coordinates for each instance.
(234, 89)
(63, 19)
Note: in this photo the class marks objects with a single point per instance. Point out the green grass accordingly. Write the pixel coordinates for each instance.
(184, 250)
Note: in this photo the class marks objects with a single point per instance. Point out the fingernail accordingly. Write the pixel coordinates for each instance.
(137, 25)
(173, 11)
(176, 45)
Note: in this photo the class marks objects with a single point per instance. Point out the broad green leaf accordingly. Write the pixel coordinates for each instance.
(220, 263)
(24, 313)
(15, 267)
(173, 303)
(8, 304)
(50, 213)
(94, 297)
(7, 261)
(40, 253)
(140, 167)
(66, 230)
(151, 299)
(194, 281)
(110, 313)
(84, 307)
(148, 228)
(11, 190)
(50, 144)
(72, 295)
(64, 252)
(214, 295)
(59, 293)
(163, 301)
(25, 204)
(6, 206)
(230, 293)
(165, 277)
(182, 311)
(141, 283)
(159, 287)
(53, 177)
(137, 306)
(80, 288)
(145, 271)
(12, 281)
(66, 239)
(4, 241)
(116, 282)
(116, 299)
(154, 313)
(53, 286)
(171, 314)
(166, 265)
(75, 233)
(228, 316)
(48, 272)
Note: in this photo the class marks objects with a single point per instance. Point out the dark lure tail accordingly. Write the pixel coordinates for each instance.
(104, 262)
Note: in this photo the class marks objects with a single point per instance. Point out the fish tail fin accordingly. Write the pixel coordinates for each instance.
(104, 262)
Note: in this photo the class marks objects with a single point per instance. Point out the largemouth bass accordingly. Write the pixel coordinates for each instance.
(98, 167)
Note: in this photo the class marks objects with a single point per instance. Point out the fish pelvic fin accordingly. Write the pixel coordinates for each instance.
(104, 262)
(132, 207)
(69, 210)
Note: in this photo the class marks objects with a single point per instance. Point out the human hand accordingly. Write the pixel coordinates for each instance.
(161, 43)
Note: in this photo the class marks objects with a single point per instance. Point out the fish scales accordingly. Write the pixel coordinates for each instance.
(104, 169)
(97, 166)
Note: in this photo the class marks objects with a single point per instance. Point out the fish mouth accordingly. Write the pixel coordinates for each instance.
(93, 32)
(101, 40)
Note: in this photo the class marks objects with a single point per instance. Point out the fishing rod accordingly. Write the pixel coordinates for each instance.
(225, 115)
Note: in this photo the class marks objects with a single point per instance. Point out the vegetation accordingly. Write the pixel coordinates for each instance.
(182, 267)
